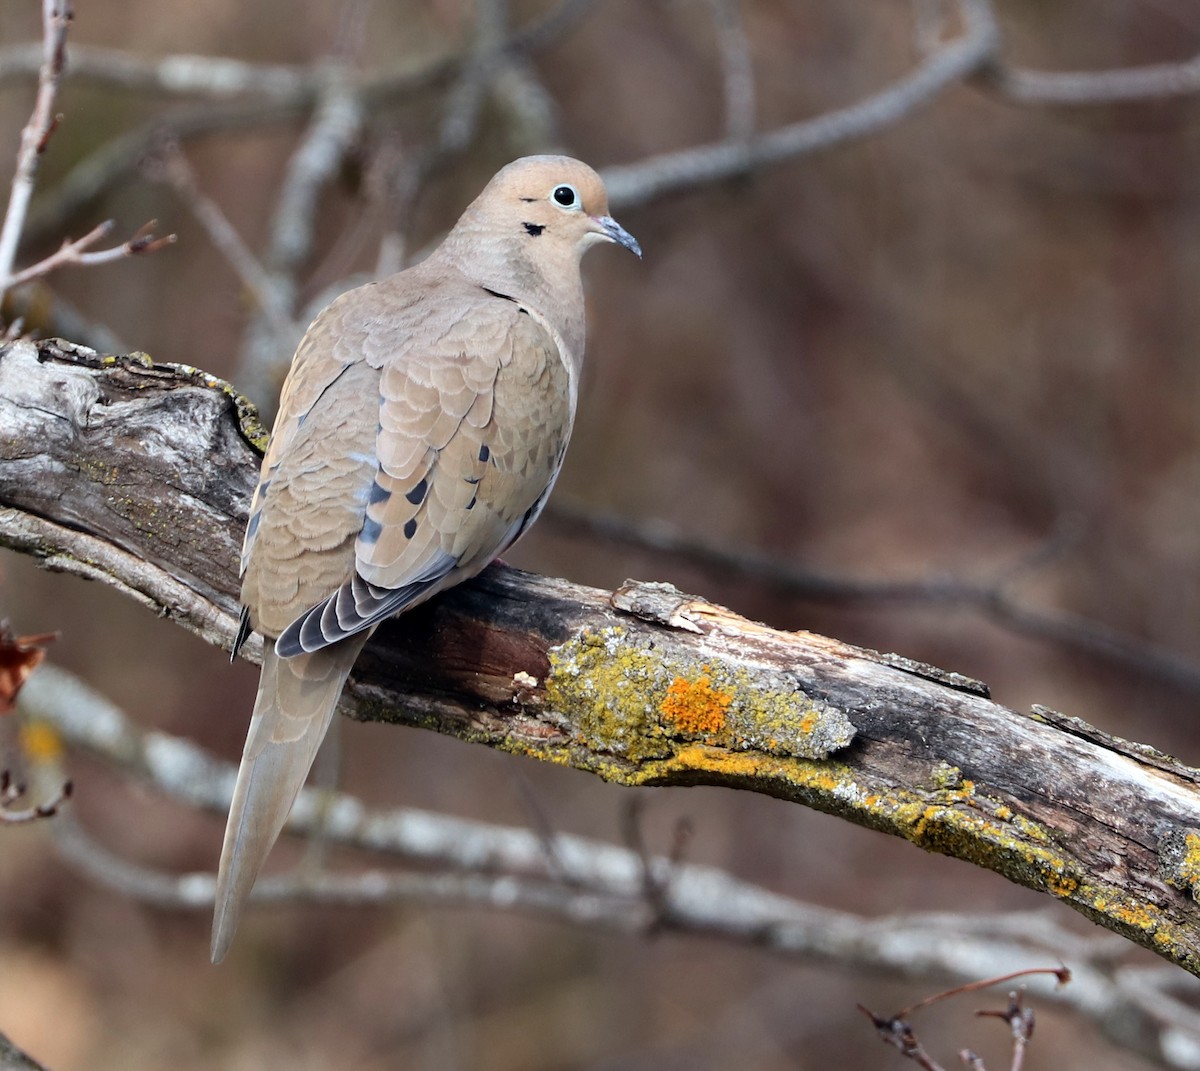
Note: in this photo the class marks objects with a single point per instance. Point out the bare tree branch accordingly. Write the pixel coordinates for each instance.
(171, 166)
(241, 95)
(56, 19)
(644, 686)
(214, 77)
(633, 185)
(737, 68)
(221, 79)
(334, 130)
(1159, 81)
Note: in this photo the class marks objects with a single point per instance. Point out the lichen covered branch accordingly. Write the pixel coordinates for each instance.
(644, 686)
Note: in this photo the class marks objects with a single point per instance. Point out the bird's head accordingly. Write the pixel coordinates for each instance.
(551, 201)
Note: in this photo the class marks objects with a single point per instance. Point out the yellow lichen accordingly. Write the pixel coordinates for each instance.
(1061, 885)
(1189, 864)
(627, 696)
(947, 776)
(40, 742)
(695, 706)
(1141, 916)
(644, 718)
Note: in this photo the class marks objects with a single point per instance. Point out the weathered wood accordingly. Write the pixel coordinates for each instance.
(138, 475)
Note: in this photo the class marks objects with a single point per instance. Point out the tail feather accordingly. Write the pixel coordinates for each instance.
(296, 700)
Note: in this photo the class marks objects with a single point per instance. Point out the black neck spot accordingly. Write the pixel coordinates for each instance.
(533, 228)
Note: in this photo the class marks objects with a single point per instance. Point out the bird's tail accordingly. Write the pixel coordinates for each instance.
(296, 700)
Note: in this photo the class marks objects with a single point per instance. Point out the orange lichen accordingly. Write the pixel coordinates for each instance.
(1061, 885)
(1143, 916)
(696, 706)
(1189, 865)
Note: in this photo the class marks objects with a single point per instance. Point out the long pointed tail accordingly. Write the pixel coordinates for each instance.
(296, 700)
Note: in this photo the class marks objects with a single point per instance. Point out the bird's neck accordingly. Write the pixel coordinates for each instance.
(551, 287)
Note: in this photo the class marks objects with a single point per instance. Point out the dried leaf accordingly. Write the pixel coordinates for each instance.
(19, 656)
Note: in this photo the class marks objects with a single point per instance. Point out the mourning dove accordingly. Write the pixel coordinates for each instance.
(420, 430)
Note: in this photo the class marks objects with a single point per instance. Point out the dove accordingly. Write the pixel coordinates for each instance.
(420, 430)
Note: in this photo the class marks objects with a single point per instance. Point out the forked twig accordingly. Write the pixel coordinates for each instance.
(897, 1031)
(56, 19)
(78, 252)
(11, 792)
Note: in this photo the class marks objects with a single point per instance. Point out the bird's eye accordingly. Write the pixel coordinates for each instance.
(566, 195)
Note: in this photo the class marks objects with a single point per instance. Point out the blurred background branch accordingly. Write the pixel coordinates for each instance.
(594, 885)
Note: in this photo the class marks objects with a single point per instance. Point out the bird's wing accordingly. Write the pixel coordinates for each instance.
(474, 416)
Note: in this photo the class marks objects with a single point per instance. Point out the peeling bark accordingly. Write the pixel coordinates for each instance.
(138, 475)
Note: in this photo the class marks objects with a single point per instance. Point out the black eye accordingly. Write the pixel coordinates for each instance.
(565, 196)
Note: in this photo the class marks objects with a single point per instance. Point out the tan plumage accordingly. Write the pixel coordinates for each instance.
(420, 429)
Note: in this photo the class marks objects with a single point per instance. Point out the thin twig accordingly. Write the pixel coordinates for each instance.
(483, 57)
(897, 1031)
(214, 77)
(335, 128)
(250, 95)
(637, 184)
(11, 792)
(79, 254)
(1131, 85)
(1020, 1022)
(56, 20)
(220, 78)
(929, 24)
(737, 68)
(171, 166)
(1061, 974)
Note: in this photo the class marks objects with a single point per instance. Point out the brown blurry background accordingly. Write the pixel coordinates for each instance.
(925, 352)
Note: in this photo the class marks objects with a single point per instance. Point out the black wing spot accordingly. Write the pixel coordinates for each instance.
(471, 504)
(533, 228)
(484, 452)
(410, 528)
(417, 495)
(371, 531)
(378, 494)
(243, 634)
(496, 293)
